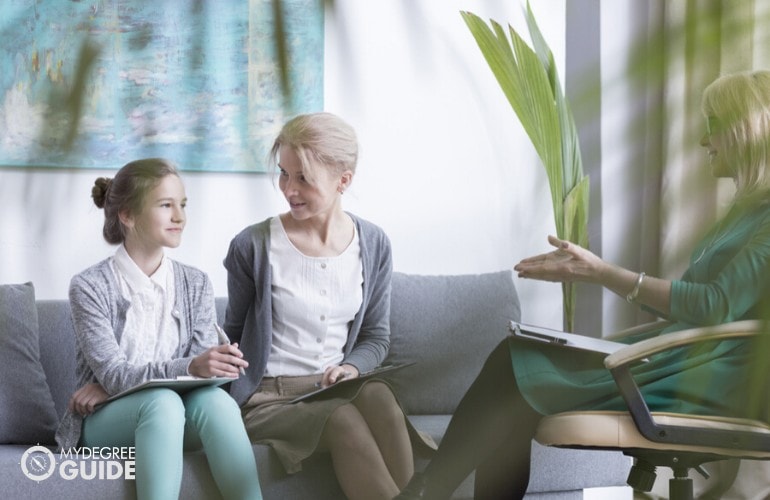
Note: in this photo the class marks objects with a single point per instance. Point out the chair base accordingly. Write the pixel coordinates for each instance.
(642, 475)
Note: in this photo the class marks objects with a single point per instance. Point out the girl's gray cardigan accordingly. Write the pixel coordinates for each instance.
(249, 318)
(99, 316)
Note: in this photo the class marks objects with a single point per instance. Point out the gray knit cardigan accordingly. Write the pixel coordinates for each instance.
(99, 317)
(249, 317)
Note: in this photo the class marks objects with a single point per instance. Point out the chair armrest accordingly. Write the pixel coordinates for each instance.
(644, 327)
(648, 347)
(619, 364)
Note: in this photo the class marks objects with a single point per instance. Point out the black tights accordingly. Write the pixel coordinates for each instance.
(491, 431)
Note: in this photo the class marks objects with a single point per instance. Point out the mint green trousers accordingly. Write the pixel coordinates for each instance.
(160, 424)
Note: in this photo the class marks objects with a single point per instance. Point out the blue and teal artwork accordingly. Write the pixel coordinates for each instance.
(98, 83)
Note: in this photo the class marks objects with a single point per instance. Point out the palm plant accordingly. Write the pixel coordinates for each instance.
(530, 82)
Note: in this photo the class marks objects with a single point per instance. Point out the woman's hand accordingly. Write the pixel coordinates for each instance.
(85, 399)
(335, 374)
(224, 360)
(569, 262)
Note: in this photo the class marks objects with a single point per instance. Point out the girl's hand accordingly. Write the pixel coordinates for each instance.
(224, 360)
(569, 262)
(85, 399)
(335, 374)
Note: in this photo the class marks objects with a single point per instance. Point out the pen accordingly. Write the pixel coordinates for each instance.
(224, 339)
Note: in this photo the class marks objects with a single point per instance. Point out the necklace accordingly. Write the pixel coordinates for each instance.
(719, 234)
(713, 242)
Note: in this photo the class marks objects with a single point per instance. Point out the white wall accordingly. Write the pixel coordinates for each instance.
(445, 168)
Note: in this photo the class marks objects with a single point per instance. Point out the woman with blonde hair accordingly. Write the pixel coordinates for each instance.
(728, 280)
(309, 303)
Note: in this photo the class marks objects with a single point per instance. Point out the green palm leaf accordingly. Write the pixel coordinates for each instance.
(529, 80)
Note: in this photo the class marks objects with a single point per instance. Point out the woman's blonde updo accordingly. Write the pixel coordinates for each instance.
(127, 191)
(323, 137)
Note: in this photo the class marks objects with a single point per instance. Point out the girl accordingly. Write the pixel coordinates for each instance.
(138, 315)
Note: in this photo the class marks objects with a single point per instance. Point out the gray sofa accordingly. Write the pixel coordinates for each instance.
(445, 324)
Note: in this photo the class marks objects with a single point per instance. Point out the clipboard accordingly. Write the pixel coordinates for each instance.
(179, 384)
(563, 339)
(370, 374)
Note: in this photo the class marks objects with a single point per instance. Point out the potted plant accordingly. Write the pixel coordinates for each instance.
(529, 80)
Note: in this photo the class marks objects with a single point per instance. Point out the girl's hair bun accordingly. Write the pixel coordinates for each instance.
(99, 191)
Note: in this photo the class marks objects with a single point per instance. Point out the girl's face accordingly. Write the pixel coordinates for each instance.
(308, 200)
(162, 218)
(713, 141)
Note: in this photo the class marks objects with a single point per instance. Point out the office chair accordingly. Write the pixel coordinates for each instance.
(681, 442)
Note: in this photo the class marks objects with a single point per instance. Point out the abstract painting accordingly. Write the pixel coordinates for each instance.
(98, 83)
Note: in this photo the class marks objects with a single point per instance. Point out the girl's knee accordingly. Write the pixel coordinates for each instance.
(213, 402)
(162, 402)
(210, 395)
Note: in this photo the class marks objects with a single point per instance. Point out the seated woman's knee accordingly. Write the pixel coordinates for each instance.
(377, 397)
(345, 423)
(377, 391)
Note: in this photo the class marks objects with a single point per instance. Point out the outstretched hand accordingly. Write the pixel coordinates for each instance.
(569, 262)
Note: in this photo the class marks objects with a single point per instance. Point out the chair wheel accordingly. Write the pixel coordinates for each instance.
(642, 476)
(680, 488)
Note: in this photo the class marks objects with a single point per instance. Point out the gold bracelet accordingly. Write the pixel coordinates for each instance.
(631, 297)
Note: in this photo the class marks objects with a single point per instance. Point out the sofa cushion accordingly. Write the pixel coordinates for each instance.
(57, 350)
(447, 325)
(27, 413)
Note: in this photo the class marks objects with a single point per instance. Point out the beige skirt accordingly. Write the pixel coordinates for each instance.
(293, 429)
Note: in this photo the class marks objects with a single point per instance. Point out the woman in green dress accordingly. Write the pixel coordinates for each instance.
(727, 280)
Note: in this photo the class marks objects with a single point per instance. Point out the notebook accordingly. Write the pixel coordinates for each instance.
(370, 374)
(179, 384)
(564, 339)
